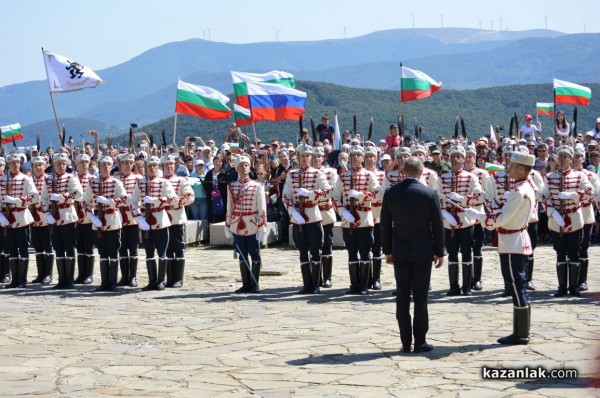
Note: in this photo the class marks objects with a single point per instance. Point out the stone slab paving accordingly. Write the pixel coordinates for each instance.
(204, 341)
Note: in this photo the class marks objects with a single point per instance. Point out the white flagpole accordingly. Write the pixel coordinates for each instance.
(175, 123)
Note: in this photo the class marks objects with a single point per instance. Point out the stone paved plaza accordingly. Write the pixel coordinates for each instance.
(203, 341)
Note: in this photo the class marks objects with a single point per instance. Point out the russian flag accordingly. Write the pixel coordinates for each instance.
(275, 102)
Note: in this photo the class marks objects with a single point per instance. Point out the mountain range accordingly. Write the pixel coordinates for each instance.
(142, 90)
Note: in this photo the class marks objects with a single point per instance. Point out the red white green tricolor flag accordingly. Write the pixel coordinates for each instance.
(416, 85)
(545, 108)
(9, 131)
(200, 101)
(571, 93)
(241, 115)
(241, 89)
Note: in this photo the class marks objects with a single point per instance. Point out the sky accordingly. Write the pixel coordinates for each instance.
(105, 33)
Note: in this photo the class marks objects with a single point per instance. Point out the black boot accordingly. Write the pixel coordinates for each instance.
(23, 269)
(60, 269)
(255, 288)
(69, 272)
(13, 264)
(162, 268)
(327, 264)
(530, 285)
(477, 268)
(4, 269)
(81, 265)
(89, 270)
(152, 274)
(170, 262)
(48, 268)
(315, 274)
(306, 278)
(467, 277)
(583, 271)
(376, 283)
(103, 275)
(574, 279)
(133, 265)
(39, 264)
(561, 272)
(124, 265)
(354, 270)
(521, 323)
(178, 268)
(246, 278)
(453, 276)
(113, 273)
(364, 277)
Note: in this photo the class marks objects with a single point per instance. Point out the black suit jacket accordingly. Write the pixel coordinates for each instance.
(411, 223)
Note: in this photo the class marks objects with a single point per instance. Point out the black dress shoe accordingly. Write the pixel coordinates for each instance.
(406, 348)
(423, 348)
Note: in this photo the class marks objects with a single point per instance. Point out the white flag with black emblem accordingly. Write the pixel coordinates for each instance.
(67, 75)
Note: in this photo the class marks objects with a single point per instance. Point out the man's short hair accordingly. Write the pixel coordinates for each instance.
(413, 166)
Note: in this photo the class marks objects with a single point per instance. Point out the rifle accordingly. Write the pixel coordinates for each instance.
(148, 206)
(314, 131)
(370, 134)
(100, 206)
(7, 206)
(352, 201)
(33, 206)
(301, 198)
(561, 186)
(574, 129)
(164, 142)
(463, 129)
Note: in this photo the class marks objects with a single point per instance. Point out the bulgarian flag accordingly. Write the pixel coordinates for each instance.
(416, 85)
(275, 76)
(200, 101)
(10, 131)
(492, 168)
(571, 93)
(241, 115)
(545, 108)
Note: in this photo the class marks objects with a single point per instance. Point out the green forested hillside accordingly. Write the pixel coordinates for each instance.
(436, 114)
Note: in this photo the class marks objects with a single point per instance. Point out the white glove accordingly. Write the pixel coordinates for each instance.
(50, 219)
(260, 235)
(448, 217)
(3, 220)
(95, 220)
(304, 192)
(143, 224)
(568, 195)
(273, 198)
(149, 200)
(227, 233)
(102, 200)
(11, 200)
(475, 214)
(348, 216)
(356, 194)
(298, 217)
(55, 197)
(506, 194)
(456, 197)
(558, 219)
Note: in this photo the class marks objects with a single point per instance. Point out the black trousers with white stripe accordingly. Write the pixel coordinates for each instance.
(514, 272)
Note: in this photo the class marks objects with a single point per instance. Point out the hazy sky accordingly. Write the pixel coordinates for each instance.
(104, 33)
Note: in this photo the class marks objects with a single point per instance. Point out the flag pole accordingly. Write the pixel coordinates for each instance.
(175, 122)
(254, 132)
(54, 110)
(401, 128)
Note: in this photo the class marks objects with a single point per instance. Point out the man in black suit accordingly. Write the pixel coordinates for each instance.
(412, 236)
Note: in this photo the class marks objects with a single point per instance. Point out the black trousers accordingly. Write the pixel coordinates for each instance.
(532, 230)
(309, 240)
(17, 240)
(247, 246)
(358, 243)
(63, 240)
(413, 277)
(130, 240)
(327, 240)
(85, 239)
(157, 242)
(463, 240)
(567, 245)
(108, 244)
(40, 239)
(376, 248)
(514, 272)
(176, 242)
(585, 240)
(477, 240)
